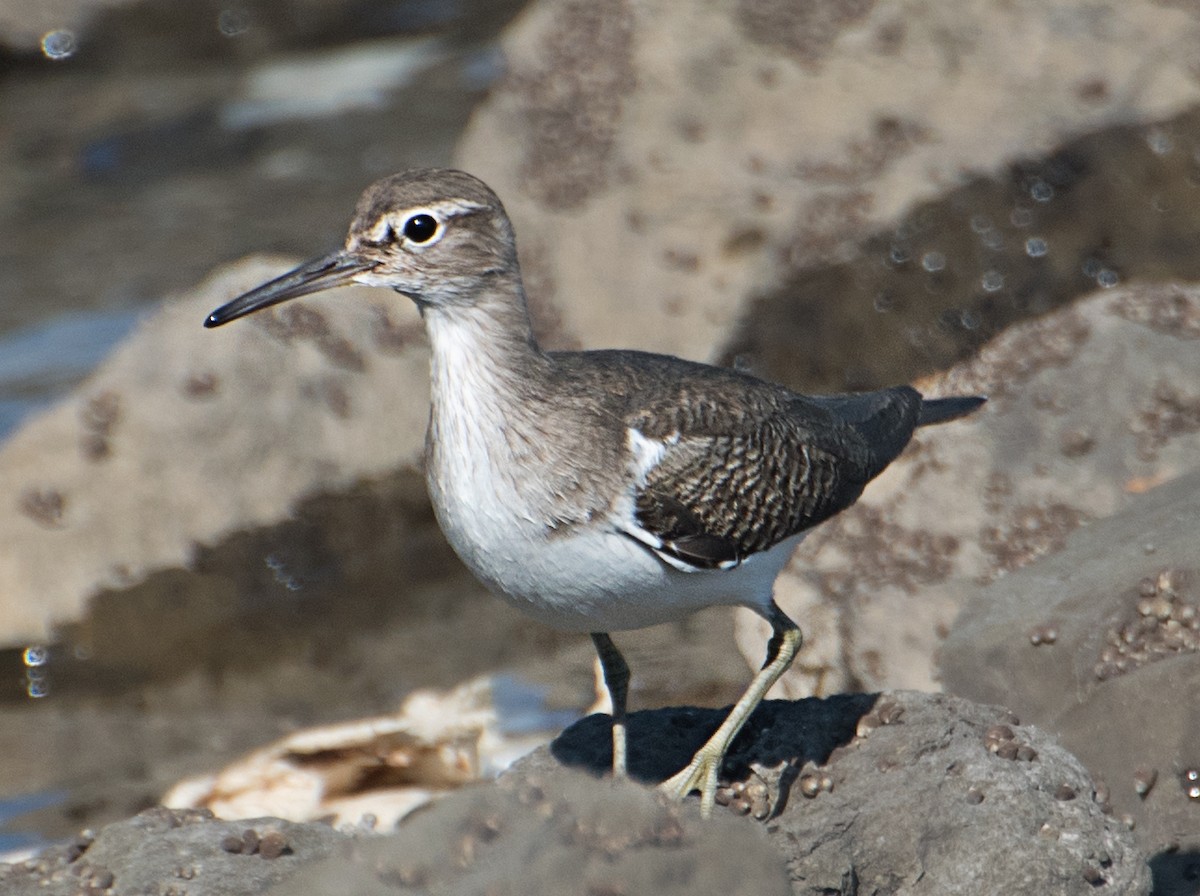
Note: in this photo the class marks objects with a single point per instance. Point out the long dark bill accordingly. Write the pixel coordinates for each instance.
(334, 269)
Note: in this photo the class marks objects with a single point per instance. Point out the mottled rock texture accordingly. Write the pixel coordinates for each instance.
(174, 852)
(896, 792)
(665, 164)
(1088, 407)
(899, 792)
(1100, 643)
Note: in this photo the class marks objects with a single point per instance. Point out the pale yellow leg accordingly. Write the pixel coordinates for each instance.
(616, 679)
(701, 773)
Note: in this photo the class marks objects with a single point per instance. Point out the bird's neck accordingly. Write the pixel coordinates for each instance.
(486, 346)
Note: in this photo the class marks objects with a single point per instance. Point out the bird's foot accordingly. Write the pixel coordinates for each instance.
(699, 774)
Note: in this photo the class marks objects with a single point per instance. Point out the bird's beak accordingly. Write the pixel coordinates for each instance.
(334, 269)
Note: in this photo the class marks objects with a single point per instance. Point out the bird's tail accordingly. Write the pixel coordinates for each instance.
(941, 410)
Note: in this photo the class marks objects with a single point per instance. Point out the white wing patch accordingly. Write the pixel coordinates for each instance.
(645, 455)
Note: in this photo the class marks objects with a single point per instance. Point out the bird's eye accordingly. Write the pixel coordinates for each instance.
(420, 228)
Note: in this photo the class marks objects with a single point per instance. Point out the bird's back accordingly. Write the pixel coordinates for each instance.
(733, 464)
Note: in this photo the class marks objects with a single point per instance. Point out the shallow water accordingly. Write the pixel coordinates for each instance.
(41, 362)
(14, 840)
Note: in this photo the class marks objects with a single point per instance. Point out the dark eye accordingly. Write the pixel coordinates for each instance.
(420, 228)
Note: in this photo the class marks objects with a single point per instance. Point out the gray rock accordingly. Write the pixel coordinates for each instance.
(165, 851)
(554, 832)
(1099, 644)
(1089, 406)
(133, 471)
(898, 792)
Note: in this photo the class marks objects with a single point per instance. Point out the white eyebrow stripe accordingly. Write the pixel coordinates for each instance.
(442, 209)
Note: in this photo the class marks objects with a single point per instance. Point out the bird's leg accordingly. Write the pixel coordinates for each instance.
(616, 679)
(701, 773)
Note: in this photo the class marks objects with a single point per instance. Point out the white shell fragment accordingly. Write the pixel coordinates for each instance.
(369, 772)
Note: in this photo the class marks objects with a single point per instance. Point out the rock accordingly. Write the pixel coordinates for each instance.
(1098, 643)
(165, 851)
(555, 832)
(895, 792)
(1089, 406)
(183, 437)
(776, 137)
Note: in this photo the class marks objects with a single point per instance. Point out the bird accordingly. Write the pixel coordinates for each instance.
(606, 490)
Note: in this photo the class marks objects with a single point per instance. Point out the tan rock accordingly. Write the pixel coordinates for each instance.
(1100, 644)
(1088, 407)
(665, 162)
(183, 436)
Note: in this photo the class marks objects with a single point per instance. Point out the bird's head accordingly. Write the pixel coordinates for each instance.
(439, 236)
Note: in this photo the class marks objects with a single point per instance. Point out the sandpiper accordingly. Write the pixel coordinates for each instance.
(602, 491)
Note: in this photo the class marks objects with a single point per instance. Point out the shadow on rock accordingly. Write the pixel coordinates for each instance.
(891, 792)
(1176, 873)
(662, 741)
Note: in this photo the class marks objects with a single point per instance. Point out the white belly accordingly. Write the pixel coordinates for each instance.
(606, 581)
(594, 579)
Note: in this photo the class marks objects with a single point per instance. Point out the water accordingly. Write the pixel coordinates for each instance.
(15, 842)
(42, 361)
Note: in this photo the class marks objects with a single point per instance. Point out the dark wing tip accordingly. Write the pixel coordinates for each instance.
(942, 410)
(703, 551)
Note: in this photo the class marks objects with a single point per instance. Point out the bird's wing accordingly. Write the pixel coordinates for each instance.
(725, 465)
(720, 486)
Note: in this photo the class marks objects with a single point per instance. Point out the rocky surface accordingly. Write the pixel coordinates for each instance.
(893, 792)
(1060, 521)
(1099, 643)
(555, 833)
(899, 792)
(776, 141)
(1089, 406)
(137, 469)
(744, 176)
(166, 851)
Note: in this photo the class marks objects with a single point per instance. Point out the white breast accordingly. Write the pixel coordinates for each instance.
(487, 469)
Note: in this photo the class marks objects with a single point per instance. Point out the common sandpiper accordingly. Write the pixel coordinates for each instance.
(601, 491)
